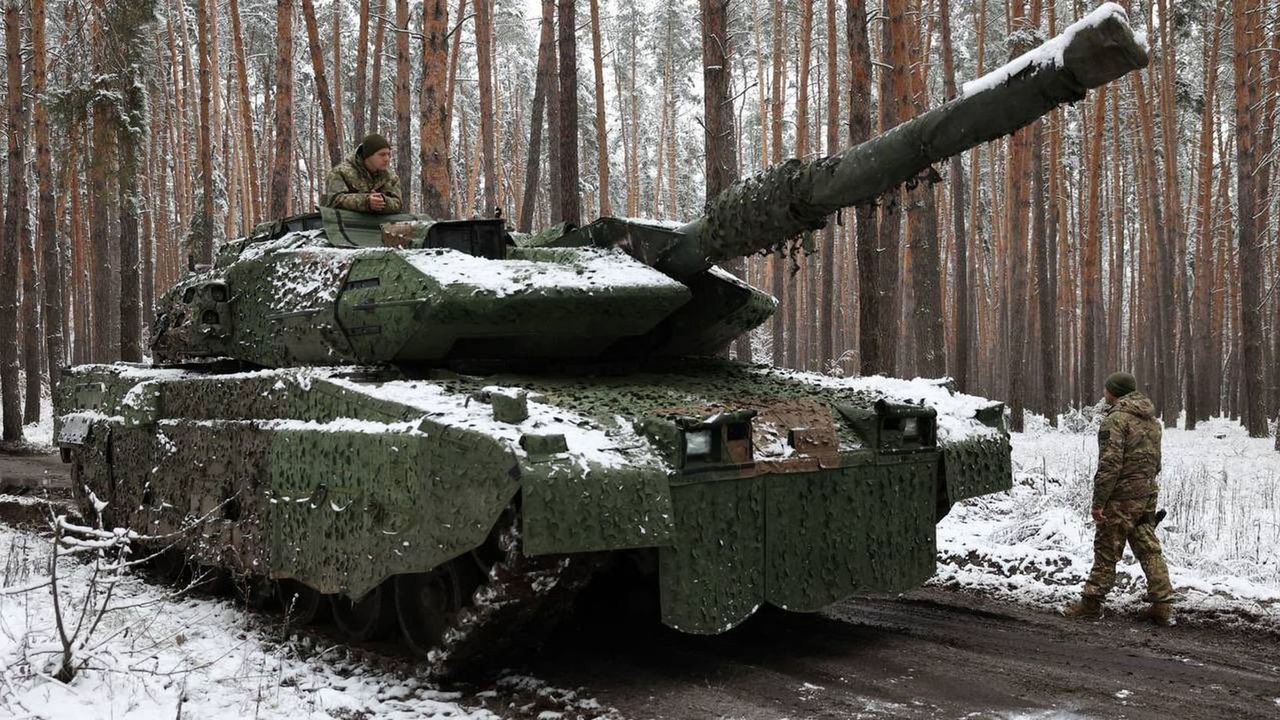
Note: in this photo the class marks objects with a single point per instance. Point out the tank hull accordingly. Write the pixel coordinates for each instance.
(344, 479)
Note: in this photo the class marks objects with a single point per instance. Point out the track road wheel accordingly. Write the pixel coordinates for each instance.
(425, 605)
(302, 605)
(368, 618)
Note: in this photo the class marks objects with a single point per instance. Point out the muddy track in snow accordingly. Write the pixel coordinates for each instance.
(931, 653)
(928, 654)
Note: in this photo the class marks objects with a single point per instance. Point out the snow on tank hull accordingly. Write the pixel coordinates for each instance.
(752, 485)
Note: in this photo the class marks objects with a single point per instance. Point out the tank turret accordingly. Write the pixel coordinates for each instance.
(342, 288)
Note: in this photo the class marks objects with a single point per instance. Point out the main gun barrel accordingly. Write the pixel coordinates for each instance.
(798, 196)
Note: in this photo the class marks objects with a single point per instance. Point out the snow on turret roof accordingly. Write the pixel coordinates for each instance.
(593, 269)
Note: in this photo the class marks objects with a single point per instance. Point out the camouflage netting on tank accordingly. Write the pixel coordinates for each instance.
(787, 540)
(765, 212)
(977, 466)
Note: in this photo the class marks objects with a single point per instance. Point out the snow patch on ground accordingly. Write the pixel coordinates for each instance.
(160, 656)
(1034, 544)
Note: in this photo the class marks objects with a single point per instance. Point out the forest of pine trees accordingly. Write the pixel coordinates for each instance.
(1135, 230)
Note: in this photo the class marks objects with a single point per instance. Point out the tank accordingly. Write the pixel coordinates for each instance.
(444, 430)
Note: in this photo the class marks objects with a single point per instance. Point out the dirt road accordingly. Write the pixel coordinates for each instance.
(19, 473)
(929, 654)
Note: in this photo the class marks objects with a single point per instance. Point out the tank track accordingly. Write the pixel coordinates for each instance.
(518, 605)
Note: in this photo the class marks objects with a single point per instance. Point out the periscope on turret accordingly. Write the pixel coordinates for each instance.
(442, 429)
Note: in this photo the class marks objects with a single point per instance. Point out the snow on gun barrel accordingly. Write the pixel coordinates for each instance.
(798, 196)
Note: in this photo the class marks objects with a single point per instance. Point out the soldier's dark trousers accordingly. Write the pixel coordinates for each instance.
(1123, 522)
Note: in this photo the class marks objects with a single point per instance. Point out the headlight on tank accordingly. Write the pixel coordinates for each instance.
(697, 444)
(894, 427)
(717, 441)
(910, 429)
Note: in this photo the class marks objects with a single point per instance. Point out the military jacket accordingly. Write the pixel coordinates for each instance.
(350, 184)
(1128, 451)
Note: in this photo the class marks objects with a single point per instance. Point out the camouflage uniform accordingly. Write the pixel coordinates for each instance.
(1125, 488)
(350, 184)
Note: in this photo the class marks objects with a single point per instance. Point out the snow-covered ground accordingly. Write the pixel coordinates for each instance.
(157, 655)
(1035, 544)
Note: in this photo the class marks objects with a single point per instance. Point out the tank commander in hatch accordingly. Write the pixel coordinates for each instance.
(365, 182)
(1124, 502)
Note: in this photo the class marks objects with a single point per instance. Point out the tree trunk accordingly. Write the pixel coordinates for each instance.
(1200, 354)
(404, 121)
(248, 151)
(1165, 272)
(203, 231)
(928, 329)
(1091, 261)
(570, 199)
(602, 134)
(720, 138)
(532, 168)
(895, 106)
(280, 203)
(46, 218)
(1246, 25)
(336, 32)
(778, 261)
(484, 56)
(827, 261)
(375, 86)
(10, 258)
(434, 140)
(326, 102)
(360, 89)
(960, 358)
(871, 342)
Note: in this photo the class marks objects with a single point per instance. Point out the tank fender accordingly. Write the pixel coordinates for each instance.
(571, 504)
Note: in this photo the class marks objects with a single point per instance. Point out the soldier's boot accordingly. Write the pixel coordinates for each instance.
(1161, 614)
(1087, 607)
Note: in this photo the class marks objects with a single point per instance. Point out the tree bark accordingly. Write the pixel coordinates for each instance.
(375, 86)
(828, 261)
(717, 107)
(360, 91)
(10, 258)
(248, 151)
(928, 329)
(46, 218)
(871, 342)
(434, 140)
(570, 198)
(203, 231)
(1201, 342)
(1091, 261)
(532, 167)
(404, 120)
(280, 203)
(895, 106)
(602, 134)
(325, 100)
(336, 33)
(960, 358)
(484, 64)
(1246, 23)
(777, 261)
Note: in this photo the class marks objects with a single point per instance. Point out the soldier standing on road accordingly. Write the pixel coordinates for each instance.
(365, 181)
(1124, 501)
